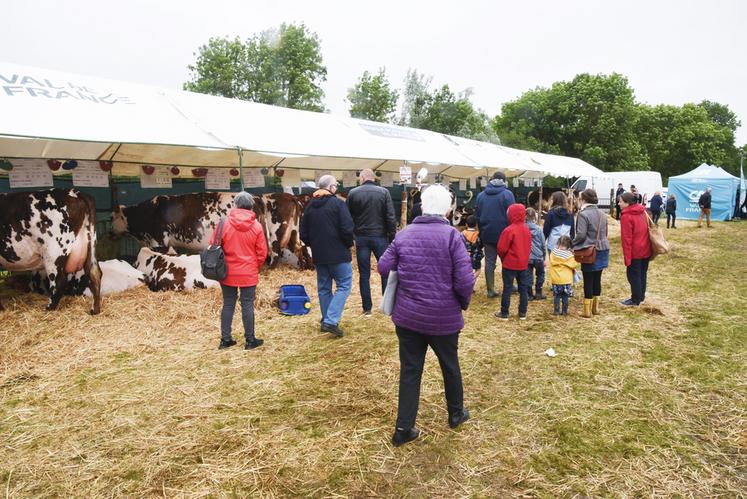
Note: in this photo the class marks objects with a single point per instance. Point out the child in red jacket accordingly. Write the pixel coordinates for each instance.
(514, 247)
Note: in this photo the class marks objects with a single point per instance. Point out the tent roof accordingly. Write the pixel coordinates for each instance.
(53, 114)
(707, 172)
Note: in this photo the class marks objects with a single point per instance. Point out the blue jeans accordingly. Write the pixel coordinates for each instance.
(525, 282)
(637, 272)
(331, 304)
(536, 267)
(364, 246)
(230, 294)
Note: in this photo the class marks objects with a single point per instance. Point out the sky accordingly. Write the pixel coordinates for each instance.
(672, 52)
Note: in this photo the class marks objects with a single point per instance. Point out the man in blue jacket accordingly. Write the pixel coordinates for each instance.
(491, 210)
(327, 227)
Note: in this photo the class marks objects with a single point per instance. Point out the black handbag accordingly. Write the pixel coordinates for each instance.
(212, 259)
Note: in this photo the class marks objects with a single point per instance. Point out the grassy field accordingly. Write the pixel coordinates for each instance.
(139, 402)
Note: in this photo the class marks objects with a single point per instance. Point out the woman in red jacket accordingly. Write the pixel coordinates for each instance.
(245, 248)
(636, 247)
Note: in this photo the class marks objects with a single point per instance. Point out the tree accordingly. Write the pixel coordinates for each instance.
(592, 117)
(282, 67)
(443, 111)
(372, 98)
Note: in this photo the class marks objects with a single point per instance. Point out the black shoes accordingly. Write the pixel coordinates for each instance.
(459, 418)
(402, 436)
(251, 345)
(330, 328)
(226, 344)
(540, 296)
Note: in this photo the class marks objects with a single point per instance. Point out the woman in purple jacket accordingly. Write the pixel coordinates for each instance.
(435, 285)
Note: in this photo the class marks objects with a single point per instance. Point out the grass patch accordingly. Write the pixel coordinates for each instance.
(139, 402)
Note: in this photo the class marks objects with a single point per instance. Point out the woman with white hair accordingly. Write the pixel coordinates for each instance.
(435, 285)
(245, 247)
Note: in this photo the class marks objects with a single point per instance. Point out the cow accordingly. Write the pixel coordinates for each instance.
(54, 231)
(116, 276)
(171, 273)
(187, 222)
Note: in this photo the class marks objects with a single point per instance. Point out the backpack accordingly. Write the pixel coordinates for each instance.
(212, 259)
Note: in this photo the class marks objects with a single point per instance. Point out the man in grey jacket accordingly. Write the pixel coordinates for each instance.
(375, 226)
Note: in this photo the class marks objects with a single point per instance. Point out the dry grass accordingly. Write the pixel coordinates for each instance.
(139, 402)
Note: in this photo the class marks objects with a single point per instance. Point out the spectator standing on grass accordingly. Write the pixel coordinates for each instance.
(491, 210)
(375, 226)
(638, 198)
(618, 193)
(536, 257)
(636, 247)
(435, 286)
(591, 230)
(327, 227)
(473, 244)
(562, 268)
(671, 210)
(705, 207)
(559, 221)
(245, 249)
(656, 203)
(514, 248)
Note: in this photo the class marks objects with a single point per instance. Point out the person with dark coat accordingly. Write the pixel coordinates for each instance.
(559, 221)
(620, 191)
(514, 248)
(491, 209)
(656, 203)
(327, 227)
(705, 207)
(671, 210)
(375, 226)
(636, 247)
(245, 247)
(435, 286)
(591, 230)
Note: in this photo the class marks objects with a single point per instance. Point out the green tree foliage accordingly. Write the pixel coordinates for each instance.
(443, 111)
(282, 67)
(592, 117)
(372, 98)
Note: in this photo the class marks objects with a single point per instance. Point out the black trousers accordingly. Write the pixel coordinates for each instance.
(637, 273)
(412, 349)
(672, 217)
(592, 283)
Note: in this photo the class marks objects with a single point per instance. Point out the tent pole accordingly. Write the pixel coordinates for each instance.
(241, 168)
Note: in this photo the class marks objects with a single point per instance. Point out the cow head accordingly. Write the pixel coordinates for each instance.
(119, 221)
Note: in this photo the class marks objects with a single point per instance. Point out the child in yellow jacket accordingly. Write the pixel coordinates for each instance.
(562, 267)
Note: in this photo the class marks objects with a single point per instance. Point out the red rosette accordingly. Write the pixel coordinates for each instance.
(148, 169)
(234, 172)
(53, 164)
(175, 170)
(279, 172)
(199, 172)
(106, 165)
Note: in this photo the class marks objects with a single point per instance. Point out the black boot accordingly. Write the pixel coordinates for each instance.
(402, 436)
(226, 344)
(254, 343)
(458, 418)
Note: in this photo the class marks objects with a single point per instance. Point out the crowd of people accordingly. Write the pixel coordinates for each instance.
(438, 266)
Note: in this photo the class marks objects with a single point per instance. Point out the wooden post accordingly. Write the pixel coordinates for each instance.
(403, 211)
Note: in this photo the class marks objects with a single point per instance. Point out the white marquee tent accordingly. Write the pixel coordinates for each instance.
(49, 114)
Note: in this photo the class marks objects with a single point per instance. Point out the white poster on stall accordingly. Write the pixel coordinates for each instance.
(253, 177)
(405, 175)
(90, 174)
(29, 173)
(217, 179)
(349, 178)
(291, 178)
(159, 179)
(387, 179)
(462, 184)
(516, 181)
(483, 182)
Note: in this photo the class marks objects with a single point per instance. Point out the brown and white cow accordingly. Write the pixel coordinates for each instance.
(54, 231)
(187, 222)
(116, 276)
(171, 273)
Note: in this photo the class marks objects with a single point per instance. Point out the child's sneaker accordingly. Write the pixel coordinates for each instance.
(522, 317)
(501, 316)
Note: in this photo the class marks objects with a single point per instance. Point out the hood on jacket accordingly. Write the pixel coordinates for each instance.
(241, 219)
(494, 188)
(635, 209)
(517, 213)
(320, 193)
(563, 212)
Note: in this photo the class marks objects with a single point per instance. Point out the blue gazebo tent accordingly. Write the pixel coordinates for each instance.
(689, 186)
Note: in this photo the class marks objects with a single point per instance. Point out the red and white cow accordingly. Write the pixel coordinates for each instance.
(54, 231)
(187, 222)
(172, 273)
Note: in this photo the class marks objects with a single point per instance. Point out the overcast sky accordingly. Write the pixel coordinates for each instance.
(672, 51)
